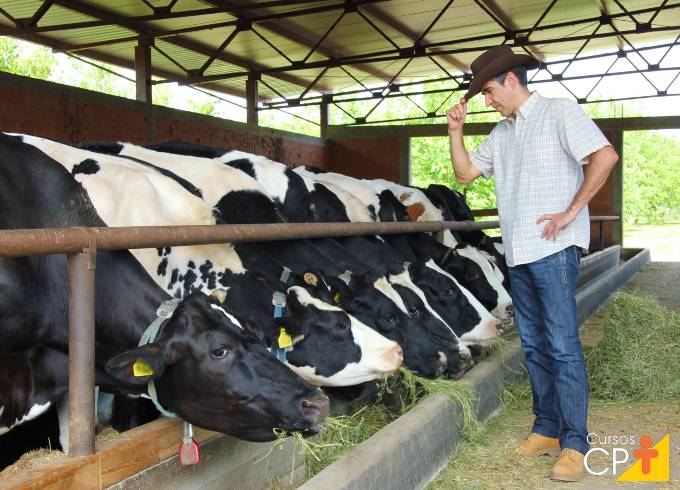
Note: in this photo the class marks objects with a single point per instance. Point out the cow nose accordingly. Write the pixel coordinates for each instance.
(394, 357)
(316, 408)
(509, 311)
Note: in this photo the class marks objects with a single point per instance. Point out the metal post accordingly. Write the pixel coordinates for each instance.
(601, 234)
(143, 70)
(81, 272)
(251, 101)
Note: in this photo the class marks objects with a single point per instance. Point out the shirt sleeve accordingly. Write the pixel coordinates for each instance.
(483, 157)
(579, 135)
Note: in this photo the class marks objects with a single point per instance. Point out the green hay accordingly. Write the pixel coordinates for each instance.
(638, 358)
(345, 432)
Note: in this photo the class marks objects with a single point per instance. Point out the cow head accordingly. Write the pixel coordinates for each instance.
(214, 372)
(373, 300)
(334, 348)
(471, 277)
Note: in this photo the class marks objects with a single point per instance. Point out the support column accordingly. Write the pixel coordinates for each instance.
(617, 186)
(405, 161)
(143, 70)
(251, 99)
(323, 115)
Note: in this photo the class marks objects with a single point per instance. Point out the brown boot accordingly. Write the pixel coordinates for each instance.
(538, 445)
(569, 466)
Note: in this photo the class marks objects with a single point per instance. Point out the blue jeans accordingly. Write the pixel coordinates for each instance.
(544, 299)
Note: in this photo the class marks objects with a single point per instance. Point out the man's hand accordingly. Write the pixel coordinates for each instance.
(557, 222)
(456, 115)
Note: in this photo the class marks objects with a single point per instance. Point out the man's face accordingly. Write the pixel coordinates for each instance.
(499, 97)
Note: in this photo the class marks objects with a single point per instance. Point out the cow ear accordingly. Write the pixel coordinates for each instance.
(137, 366)
(340, 292)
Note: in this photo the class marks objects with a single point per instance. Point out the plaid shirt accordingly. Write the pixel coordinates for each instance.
(536, 159)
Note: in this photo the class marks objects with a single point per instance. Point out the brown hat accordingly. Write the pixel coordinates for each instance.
(493, 62)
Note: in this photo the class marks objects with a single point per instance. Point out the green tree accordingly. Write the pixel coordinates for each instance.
(23, 59)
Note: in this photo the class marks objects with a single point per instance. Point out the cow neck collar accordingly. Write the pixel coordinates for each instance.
(163, 314)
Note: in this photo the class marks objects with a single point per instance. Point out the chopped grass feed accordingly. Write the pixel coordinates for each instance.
(638, 358)
(343, 433)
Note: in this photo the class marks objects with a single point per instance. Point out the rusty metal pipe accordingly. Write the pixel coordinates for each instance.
(81, 275)
(17, 243)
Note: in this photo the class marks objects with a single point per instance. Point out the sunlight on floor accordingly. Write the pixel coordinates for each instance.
(662, 240)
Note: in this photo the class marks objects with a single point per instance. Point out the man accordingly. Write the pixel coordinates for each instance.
(538, 155)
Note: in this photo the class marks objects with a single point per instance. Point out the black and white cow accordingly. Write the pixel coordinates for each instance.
(206, 366)
(356, 354)
(454, 207)
(373, 300)
(453, 302)
(487, 287)
(301, 199)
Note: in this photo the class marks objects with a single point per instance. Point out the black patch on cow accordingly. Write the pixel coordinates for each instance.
(391, 208)
(87, 166)
(314, 170)
(189, 280)
(371, 211)
(162, 267)
(108, 147)
(328, 343)
(246, 207)
(298, 206)
(191, 264)
(328, 207)
(174, 277)
(190, 149)
(244, 165)
(208, 275)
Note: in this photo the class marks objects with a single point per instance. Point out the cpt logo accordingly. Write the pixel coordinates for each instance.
(652, 464)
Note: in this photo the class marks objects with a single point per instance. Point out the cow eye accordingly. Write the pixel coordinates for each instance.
(415, 312)
(392, 319)
(472, 274)
(220, 353)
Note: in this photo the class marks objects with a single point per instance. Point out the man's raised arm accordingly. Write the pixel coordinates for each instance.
(463, 167)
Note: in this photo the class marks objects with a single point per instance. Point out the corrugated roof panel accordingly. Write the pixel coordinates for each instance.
(58, 15)
(402, 21)
(20, 9)
(92, 35)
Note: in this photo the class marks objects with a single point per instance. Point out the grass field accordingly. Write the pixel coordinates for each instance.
(662, 240)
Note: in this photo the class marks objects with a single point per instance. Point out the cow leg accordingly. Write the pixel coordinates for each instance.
(104, 402)
(62, 414)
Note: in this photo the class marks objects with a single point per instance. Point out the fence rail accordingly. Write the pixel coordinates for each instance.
(82, 244)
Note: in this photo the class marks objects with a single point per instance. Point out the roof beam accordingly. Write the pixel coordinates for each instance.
(508, 23)
(409, 33)
(98, 13)
(293, 32)
(604, 10)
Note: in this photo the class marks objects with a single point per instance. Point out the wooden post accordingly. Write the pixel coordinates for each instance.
(143, 70)
(251, 101)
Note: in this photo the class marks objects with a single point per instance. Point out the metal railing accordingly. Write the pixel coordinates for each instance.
(81, 246)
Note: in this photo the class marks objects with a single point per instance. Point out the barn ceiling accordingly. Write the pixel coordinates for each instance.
(358, 49)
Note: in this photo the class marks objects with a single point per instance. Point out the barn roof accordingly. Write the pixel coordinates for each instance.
(302, 49)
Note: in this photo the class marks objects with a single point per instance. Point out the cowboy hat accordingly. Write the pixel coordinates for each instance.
(492, 63)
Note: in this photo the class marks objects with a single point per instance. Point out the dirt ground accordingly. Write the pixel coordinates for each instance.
(492, 461)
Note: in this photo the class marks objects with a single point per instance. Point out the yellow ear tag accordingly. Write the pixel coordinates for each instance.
(336, 298)
(284, 339)
(142, 368)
